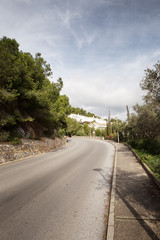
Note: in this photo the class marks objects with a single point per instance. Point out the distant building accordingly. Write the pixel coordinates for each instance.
(97, 123)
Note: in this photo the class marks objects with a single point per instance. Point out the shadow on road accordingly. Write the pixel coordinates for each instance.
(105, 181)
(139, 195)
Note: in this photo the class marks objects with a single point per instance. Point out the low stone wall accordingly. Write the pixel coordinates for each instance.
(89, 137)
(28, 147)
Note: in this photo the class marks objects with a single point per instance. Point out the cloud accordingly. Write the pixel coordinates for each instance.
(113, 88)
(99, 47)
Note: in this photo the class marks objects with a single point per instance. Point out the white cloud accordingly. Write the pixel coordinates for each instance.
(114, 88)
(99, 47)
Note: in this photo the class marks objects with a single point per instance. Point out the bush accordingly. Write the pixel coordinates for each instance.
(80, 133)
(61, 133)
(58, 133)
(15, 141)
(153, 161)
(148, 145)
(4, 136)
(112, 136)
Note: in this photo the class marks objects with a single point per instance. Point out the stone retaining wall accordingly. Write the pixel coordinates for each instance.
(89, 137)
(28, 147)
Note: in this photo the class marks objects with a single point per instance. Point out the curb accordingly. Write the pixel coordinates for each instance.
(145, 167)
(111, 217)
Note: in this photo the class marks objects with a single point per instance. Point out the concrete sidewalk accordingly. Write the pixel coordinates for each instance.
(135, 200)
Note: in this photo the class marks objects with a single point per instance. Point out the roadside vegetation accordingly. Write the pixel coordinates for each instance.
(144, 126)
(83, 112)
(153, 161)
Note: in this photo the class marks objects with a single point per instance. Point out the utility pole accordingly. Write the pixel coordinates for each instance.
(117, 130)
(128, 114)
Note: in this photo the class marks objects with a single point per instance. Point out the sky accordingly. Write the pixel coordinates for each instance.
(100, 48)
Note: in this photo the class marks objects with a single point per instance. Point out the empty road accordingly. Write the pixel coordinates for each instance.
(60, 195)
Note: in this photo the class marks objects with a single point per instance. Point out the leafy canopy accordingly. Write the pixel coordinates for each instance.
(26, 93)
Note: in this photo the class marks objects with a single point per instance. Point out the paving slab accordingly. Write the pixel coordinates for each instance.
(136, 230)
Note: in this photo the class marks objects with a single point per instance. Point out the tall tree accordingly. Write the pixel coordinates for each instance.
(109, 124)
(128, 114)
(151, 83)
(144, 125)
(26, 94)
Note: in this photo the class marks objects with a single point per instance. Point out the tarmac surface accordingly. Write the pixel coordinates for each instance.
(59, 195)
(135, 200)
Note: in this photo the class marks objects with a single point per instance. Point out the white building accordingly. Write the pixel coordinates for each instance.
(97, 123)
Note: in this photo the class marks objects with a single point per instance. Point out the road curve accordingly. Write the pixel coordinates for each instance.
(60, 195)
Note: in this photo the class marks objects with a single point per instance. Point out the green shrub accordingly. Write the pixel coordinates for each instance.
(112, 136)
(148, 145)
(15, 141)
(4, 136)
(58, 133)
(153, 161)
(61, 133)
(80, 132)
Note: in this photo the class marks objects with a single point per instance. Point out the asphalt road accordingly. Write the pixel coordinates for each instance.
(60, 195)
